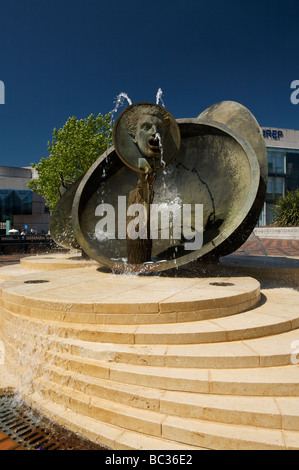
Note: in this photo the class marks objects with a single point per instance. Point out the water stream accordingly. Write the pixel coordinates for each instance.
(120, 99)
(159, 97)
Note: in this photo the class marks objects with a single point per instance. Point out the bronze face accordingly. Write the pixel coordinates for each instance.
(146, 137)
(150, 135)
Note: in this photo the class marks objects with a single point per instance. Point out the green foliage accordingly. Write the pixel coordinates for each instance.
(286, 210)
(74, 148)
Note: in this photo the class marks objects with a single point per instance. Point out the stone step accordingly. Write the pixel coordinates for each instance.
(104, 434)
(267, 351)
(76, 314)
(190, 431)
(273, 350)
(116, 299)
(265, 381)
(261, 381)
(267, 412)
(265, 320)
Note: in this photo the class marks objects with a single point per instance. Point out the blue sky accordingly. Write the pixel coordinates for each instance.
(64, 58)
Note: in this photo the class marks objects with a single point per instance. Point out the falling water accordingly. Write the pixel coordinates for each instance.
(159, 97)
(158, 137)
(118, 102)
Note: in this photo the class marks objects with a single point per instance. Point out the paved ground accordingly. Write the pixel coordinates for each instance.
(6, 260)
(8, 444)
(263, 247)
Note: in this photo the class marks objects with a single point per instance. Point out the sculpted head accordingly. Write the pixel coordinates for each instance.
(147, 126)
(146, 137)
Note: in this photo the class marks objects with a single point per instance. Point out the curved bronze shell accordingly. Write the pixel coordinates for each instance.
(61, 227)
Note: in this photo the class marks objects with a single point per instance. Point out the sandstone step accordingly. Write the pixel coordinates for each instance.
(107, 435)
(251, 411)
(273, 350)
(261, 381)
(228, 437)
(188, 431)
(111, 298)
(268, 319)
(11, 271)
(265, 381)
(74, 315)
(56, 261)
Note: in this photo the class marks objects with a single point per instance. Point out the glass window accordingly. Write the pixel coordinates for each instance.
(270, 164)
(276, 162)
(278, 186)
(279, 164)
(292, 170)
(270, 185)
(15, 202)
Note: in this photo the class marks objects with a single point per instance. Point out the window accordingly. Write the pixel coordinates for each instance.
(15, 202)
(292, 171)
(270, 185)
(276, 162)
(279, 164)
(275, 188)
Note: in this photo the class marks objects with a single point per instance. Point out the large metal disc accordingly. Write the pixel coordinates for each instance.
(238, 117)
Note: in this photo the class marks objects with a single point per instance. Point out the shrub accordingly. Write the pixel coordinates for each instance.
(286, 210)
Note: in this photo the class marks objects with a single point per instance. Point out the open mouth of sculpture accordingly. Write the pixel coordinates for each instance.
(154, 146)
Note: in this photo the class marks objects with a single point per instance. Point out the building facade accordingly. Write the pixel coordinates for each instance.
(283, 167)
(20, 208)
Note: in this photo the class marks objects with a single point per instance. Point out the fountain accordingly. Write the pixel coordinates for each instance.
(231, 189)
(152, 342)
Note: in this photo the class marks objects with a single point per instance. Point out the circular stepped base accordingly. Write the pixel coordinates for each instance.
(155, 362)
(86, 295)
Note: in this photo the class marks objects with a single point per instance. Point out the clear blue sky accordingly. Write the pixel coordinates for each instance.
(62, 58)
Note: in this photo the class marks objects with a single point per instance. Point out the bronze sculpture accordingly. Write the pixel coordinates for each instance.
(217, 160)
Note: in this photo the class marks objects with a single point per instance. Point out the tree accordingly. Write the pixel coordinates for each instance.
(286, 210)
(74, 148)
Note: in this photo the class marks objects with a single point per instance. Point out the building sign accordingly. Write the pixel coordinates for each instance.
(272, 134)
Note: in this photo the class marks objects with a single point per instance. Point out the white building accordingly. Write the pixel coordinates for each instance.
(283, 166)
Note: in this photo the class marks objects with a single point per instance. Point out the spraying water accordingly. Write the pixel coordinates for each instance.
(118, 102)
(157, 136)
(159, 97)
